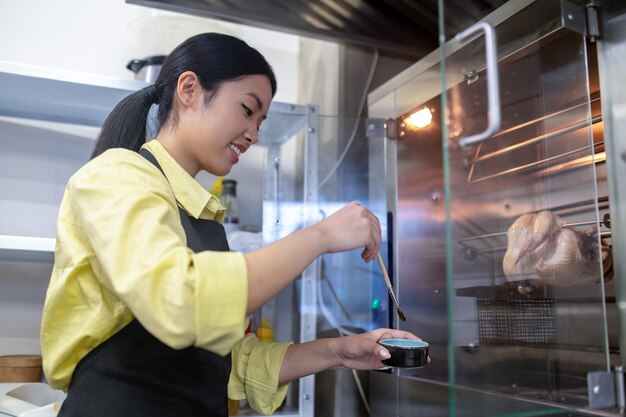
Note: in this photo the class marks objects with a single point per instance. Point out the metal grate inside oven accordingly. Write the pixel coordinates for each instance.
(516, 321)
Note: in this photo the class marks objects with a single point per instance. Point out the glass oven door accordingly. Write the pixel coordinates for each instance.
(528, 239)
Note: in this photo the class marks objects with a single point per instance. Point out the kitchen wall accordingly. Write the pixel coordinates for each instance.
(100, 37)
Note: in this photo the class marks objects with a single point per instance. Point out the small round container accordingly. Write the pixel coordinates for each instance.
(405, 353)
(20, 368)
(147, 69)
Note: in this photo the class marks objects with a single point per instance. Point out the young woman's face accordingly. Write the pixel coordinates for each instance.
(218, 134)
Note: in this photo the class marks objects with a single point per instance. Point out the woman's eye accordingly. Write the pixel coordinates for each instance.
(247, 110)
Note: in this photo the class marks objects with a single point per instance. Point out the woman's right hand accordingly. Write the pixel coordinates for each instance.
(351, 227)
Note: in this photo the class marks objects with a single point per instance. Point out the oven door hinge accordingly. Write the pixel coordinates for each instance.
(606, 389)
(379, 128)
(582, 19)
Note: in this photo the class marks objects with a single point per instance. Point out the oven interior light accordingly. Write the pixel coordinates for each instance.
(420, 118)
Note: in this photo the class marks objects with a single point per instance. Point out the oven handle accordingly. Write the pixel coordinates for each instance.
(493, 85)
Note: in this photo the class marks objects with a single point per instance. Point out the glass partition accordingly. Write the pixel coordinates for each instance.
(314, 165)
(527, 250)
(352, 294)
(349, 167)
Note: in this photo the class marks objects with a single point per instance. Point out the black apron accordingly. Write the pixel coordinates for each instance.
(134, 374)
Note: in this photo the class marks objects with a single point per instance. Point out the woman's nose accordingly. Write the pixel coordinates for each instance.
(252, 135)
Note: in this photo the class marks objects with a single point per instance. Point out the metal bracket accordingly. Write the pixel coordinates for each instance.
(391, 129)
(582, 19)
(606, 389)
(620, 392)
(470, 77)
(593, 21)
(573, 17)
(379, 128)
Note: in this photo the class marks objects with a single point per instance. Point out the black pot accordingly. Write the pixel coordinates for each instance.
(405, 353)
(146, 69)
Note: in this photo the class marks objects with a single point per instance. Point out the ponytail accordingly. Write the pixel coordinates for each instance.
(125, 127)
(214, 57)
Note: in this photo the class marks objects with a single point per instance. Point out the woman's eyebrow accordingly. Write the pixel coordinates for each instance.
(259, 103)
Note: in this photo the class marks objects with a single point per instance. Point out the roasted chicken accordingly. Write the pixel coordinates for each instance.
(542, 252)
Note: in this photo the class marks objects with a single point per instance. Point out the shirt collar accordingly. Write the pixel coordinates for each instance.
(190, 195)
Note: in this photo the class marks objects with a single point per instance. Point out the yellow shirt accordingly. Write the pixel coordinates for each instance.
(121, 253)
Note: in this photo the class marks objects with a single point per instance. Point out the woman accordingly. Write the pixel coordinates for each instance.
(146, 307)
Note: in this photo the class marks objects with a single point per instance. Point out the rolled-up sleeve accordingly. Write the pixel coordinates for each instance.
(131, 219)
(255, 374)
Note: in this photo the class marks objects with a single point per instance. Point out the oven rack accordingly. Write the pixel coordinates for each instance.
(562, 158)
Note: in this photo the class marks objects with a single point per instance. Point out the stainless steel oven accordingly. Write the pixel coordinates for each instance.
(522, 114)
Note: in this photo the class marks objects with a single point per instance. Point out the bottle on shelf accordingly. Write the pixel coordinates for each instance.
(217, 188)
(229, 201)
(265, 333)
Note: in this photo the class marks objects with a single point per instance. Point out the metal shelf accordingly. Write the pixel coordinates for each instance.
(283, 122)
(41, 93)
(25, 248)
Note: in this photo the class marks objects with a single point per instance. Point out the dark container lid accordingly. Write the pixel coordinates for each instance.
(136, 64)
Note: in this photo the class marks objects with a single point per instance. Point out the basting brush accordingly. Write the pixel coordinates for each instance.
(389, 287)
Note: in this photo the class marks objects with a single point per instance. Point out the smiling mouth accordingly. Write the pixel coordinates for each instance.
(236, 149)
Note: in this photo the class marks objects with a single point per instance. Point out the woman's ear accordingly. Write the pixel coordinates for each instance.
(188, 88)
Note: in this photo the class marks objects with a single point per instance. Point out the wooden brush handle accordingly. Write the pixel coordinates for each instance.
(384, 269)
(389, 287)
(388, 282)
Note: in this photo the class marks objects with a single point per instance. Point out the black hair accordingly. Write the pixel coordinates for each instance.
(214, 57)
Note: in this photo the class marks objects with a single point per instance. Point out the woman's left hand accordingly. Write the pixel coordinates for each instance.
(362, 351)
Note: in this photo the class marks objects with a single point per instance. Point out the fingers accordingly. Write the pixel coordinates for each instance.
(370, 251)
(353, 226)
(372, 247)
(382, 353)
(376, 350)
(394, 334)
(370, 344)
